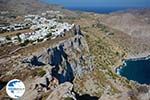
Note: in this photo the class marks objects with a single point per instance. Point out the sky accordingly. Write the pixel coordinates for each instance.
(101, 3)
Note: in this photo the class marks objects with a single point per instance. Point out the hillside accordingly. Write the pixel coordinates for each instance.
(133, 22)
(25, 6)
(11, 9)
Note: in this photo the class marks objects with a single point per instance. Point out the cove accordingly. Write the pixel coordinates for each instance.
(136, 69)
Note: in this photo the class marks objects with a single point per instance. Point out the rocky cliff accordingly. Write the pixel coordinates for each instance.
(67, 61)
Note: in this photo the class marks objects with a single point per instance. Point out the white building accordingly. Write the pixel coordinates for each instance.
(42, 27)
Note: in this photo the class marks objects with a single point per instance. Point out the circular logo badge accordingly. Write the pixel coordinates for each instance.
(15, 88)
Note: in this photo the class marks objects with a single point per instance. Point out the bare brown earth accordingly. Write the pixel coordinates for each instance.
(134, 22)
(14, 33)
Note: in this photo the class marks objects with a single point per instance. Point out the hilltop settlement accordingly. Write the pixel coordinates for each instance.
(41, 28)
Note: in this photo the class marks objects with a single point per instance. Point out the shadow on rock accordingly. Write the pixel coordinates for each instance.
(61, 48)
(35, 62)
(86, 97)
(66, 75)
(56, 57)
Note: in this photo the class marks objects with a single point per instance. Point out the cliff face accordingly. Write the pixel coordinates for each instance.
(68, 61)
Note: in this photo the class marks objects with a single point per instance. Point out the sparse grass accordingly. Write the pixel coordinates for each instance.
(107, 54)
(45, 95)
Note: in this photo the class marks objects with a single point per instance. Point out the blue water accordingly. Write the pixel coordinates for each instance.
(103, 10)
(137, 70)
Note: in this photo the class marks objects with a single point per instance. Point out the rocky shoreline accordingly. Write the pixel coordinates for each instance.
(138, 56)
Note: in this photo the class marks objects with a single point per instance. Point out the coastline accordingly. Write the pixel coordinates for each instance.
(138, 56)
(142, 56)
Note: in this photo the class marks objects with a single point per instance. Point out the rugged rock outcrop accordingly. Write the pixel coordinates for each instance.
(68, 59)
(62, 91)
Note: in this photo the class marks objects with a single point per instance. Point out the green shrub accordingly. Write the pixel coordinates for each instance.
(48, 35)
(19, 39)
(41, 72)
(26, 42)
(8, 38)
(68, 98)
(39, 40)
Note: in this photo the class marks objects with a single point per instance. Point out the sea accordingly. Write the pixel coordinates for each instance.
(101, 10)
(137, 70)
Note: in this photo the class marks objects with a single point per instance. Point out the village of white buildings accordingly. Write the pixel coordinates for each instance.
(42, 28)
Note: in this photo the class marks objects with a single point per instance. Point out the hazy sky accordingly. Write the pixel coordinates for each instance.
(101, 3)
